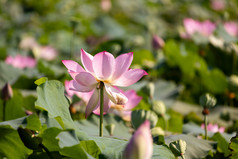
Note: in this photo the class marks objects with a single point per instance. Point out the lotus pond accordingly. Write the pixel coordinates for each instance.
(114, 79)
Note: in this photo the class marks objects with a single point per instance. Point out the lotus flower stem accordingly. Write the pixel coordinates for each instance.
(234, 62)
(205, 124)
(101, 109)
(4, 110)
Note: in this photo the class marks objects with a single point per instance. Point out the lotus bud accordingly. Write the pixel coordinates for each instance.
(233, 80)
(157, 42)
(159, 107)
(7, 92)
(140, 145)
(178, 147)
(29, 139)
(110, 128)
(207, 100)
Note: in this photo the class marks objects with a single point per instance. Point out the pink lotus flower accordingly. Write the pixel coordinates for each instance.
(106, 5)
(21, 61)
(122, 110)
(28, 43)
(103, 67)
(45, 52)
(218, 4)
(213, 128)
(231, 28)
(192, 26)
(141, 144)
(125, 110)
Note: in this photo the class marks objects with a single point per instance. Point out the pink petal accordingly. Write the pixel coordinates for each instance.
(47, 52)
(86, 60)
(122, 64)
(103, 65)
(126, 115)
(115, 95)
(75, 86)
(130, 77)
(21, 61)
(231, 28)
(214, 128)
(67, 85)
(72, 66)
(73, 74)
(221, 129)
(85, 96)
(93, 102)
(191, 26)
(141, 143)
(218, 4)
(207, 28)
(202, 126)
(86, 79)
(133, 99)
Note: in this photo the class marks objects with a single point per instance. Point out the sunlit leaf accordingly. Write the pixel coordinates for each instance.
(51, 98)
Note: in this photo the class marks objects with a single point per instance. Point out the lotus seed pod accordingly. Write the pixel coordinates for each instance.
(139, 116)
(7, 92)
(178, 147)
(159, 107)
(233, 80)
(156, 131)
(207, 100)
(110, 128)
(149, 89)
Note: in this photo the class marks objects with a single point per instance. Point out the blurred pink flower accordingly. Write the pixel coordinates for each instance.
(45, 52)
(231, 28)
(213, 128)
(125, 110)
(192, 26)
(106, 5)
(20, 61)
(103, 67)
(140, 145)
(218, 4)
(28, 43)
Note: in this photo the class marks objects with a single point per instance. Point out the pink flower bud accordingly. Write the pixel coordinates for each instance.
(141, 143)
(7, 92)
(157, 42)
